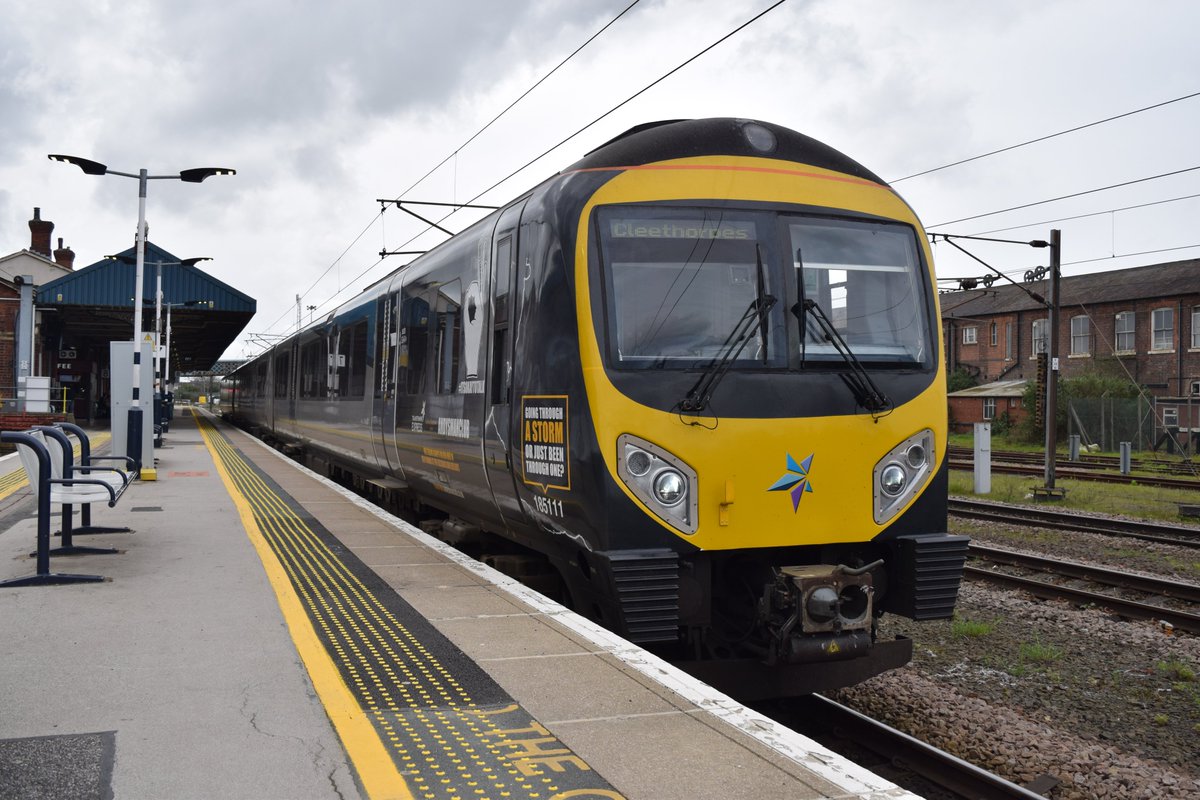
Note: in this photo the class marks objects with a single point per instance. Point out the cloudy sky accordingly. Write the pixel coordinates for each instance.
(324, 107)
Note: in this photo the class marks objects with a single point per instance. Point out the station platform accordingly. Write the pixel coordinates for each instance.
(264, 633)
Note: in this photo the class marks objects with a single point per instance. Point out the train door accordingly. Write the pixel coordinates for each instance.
(387, 356)
(497, 429)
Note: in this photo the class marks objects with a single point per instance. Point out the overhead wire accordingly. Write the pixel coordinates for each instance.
(455, 152)
(1085, 216)
(524, 94)
(634, 96)
(1076, 129)
(641, 91)
(1067, 196)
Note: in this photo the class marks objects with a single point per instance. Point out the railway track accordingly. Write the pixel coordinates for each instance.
(1080, 474)
(899, 754)
(1086, 461)
(1161, 533)
(1114, 579)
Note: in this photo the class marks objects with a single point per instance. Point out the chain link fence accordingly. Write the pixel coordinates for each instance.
(1171, 426)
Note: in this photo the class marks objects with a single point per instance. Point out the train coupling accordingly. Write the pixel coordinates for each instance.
(818, 612)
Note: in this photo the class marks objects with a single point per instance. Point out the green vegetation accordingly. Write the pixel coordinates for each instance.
(1177, 670)
(1148, 502)
(971, 628)
(1039, 653)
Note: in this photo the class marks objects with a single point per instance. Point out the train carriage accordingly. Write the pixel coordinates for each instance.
(696, 377)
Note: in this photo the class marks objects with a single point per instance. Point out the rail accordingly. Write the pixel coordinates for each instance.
(817, 714)
(1162, 533)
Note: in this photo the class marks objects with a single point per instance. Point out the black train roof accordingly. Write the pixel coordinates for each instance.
(688, 138)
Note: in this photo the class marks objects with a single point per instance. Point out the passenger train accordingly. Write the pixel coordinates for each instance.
(692, 385)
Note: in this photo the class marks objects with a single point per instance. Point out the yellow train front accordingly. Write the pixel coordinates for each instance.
(692, 383)
(753, 420)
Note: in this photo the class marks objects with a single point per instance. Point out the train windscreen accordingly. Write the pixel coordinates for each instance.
(681, 284)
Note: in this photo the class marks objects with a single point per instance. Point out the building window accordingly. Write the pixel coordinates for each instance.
(1124, 332)
(1040, 343)
(994, 339)
(970, 335)
(1008, 342)
(1163, 323)
(1195, 389)
(1196, 327)
(1081, 336)
(989, 407)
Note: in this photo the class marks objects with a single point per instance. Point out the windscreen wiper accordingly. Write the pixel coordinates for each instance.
(858, 379)
(756, 315)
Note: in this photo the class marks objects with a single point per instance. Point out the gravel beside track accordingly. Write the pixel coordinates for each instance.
(1024, 687)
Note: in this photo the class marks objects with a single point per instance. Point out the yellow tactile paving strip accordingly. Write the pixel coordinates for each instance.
(424, 701)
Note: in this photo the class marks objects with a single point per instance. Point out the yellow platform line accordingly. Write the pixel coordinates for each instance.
(376, 770)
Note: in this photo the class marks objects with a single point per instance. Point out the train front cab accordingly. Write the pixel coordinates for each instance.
(806, 493)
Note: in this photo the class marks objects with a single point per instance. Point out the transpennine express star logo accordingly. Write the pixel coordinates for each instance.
(795, 479)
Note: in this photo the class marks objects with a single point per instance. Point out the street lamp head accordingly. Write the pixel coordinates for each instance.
(90, 167)
(200, 173)
(187, 262)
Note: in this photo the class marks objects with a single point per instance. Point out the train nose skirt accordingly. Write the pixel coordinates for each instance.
(418, 718)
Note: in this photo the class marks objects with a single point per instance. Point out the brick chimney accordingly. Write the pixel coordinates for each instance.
(40, 230)
(64, 256)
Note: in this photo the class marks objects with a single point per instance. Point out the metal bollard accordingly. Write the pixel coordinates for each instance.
(1126, 457)
(983, 458)
(1073, 446)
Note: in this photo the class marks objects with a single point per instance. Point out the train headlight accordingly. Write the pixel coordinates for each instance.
(901, 474)
(669, 487)
(664, 483)
(638, 462)
(892, 480)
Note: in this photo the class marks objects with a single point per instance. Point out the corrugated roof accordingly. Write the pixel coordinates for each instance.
(996, 389)
(110, 283)
(1136, 283)
(94, 306)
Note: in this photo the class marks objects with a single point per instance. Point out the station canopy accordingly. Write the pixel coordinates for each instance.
(93, 306)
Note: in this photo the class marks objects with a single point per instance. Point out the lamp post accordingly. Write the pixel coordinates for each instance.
(169, 306)
(159, 371)
(197, 175)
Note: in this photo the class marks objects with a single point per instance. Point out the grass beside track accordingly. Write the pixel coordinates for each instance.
(1134, 500)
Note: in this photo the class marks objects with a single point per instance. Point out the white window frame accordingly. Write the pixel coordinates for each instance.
(989, 408)
(970, 335)
(1164, 343)
(1039, 343)
(1081, 340)
(1196, 327)
(1131, 333)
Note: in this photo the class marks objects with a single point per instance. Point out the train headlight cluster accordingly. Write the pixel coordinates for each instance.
(901, 473)
(659, 479)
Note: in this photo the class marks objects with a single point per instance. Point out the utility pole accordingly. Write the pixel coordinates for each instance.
(1051, 410)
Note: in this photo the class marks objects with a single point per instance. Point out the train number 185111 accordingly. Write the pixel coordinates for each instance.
(548, 506)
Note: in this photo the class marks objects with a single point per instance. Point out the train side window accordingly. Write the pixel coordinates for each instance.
(352, 360)
(501, 360)
(414, 341)
(283, 367)
(313, 370)
(448, 330)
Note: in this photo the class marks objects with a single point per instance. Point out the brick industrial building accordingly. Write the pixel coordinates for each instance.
(1141, 323)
